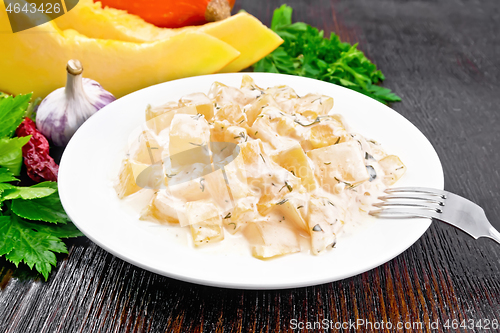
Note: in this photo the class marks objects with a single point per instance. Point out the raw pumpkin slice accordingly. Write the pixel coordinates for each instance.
(242, 31)
(175, 13)
(92, 20)
(247, 35)
(34, 60)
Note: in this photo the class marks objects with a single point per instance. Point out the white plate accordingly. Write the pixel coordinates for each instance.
(91, 162)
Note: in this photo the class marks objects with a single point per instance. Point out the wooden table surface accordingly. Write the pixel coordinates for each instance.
(442, 58)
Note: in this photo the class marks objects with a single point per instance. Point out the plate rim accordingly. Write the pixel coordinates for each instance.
(63, 192)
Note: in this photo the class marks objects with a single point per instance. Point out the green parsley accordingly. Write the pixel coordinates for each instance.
(305, 52)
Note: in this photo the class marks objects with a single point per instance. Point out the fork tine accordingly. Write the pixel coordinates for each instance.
(434, 200)
(410, 202)
(382, 213)
(419, 202)
(406, 205)
(420, 190)
(404, 212)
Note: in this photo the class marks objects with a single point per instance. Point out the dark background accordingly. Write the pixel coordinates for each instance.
(442, 58)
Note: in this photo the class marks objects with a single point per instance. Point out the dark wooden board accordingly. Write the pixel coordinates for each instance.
(442, 58)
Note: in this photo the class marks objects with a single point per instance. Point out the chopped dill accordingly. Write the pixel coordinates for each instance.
(241, 135)
(317, 120)
(349, 185)
(318, 99)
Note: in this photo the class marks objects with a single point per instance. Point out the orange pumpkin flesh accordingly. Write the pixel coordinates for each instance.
(165, 13)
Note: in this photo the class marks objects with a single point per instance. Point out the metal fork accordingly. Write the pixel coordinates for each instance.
(418, 202)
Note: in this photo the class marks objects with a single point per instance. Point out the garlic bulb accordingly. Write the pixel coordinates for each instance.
(64, 110)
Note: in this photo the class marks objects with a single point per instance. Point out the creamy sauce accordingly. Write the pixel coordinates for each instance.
(299, 178)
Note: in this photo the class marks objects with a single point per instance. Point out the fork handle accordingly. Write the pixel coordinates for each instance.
(493, 234)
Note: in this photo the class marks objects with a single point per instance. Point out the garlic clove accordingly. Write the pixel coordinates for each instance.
(64, 110)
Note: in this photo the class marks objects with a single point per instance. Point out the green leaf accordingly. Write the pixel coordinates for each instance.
(306, 52)
(11, 155)
(32, 108)
(282, 16)
(347, 83)
(12, 110)
(31, 243)
(266, 65)
(27, 193)
(290, 32)
(61, 230)
(47, 209)
(283, 61)
(384, 93)
(48, 184)
(3, 188)
(6, 176)
(277, 62)
(6, 241)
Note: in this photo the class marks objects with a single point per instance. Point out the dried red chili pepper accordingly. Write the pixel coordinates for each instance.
(36, 153)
